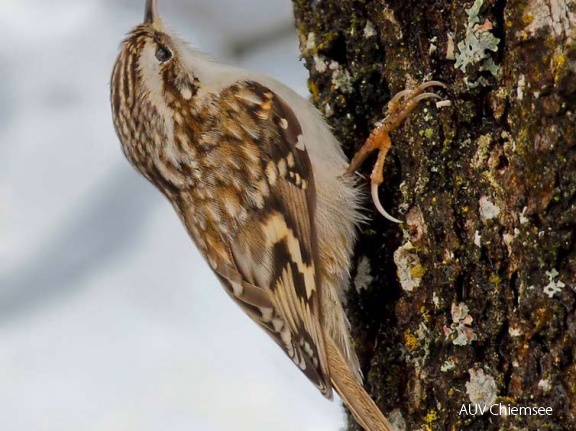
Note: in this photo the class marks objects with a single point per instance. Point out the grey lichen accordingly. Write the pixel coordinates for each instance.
(545, 385)
(363, 277)
(397, 420)
(477, 239)
(460, 331)
(554, 286)
(481, 388)
(341, 78)
(478, 42)
(448, 365)
(410, 270)
(369, 30)
(488, 210)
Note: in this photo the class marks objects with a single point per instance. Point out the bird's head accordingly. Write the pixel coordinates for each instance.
(153, 87)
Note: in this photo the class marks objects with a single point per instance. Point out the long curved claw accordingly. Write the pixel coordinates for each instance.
(423, 96)
(378, 205)
(428, 84)
(411, 94)
(415, 91)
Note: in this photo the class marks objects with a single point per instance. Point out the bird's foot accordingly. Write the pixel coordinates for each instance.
(399, 107)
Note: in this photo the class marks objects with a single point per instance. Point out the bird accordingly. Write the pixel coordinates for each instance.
(263, 189)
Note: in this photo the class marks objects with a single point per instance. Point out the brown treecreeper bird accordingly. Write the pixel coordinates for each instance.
(262, 187)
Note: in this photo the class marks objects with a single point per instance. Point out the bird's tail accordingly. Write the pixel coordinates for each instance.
(365, 411)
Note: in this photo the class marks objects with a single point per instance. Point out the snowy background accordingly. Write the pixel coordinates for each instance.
(109, 319)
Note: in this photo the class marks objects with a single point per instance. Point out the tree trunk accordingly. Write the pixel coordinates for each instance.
(473, 299)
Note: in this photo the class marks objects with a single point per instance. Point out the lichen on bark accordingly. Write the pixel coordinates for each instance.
(488, 191)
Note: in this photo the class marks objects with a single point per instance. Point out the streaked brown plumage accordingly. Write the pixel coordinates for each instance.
(244, 192)
(259, 182)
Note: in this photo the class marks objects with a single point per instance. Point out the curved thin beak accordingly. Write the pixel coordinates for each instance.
(151, 12)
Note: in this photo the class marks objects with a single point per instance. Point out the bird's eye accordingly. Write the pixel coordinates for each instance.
(163, 54)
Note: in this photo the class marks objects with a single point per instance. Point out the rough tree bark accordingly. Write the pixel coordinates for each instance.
(473, 299)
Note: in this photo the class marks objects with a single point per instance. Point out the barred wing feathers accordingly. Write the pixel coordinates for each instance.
(275, 277)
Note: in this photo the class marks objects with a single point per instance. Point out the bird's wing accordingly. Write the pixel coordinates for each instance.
(275, 272)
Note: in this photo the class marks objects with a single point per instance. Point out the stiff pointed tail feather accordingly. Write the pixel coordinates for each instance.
(364, 409)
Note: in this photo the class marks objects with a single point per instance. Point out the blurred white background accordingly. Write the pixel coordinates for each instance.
(109, 319)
